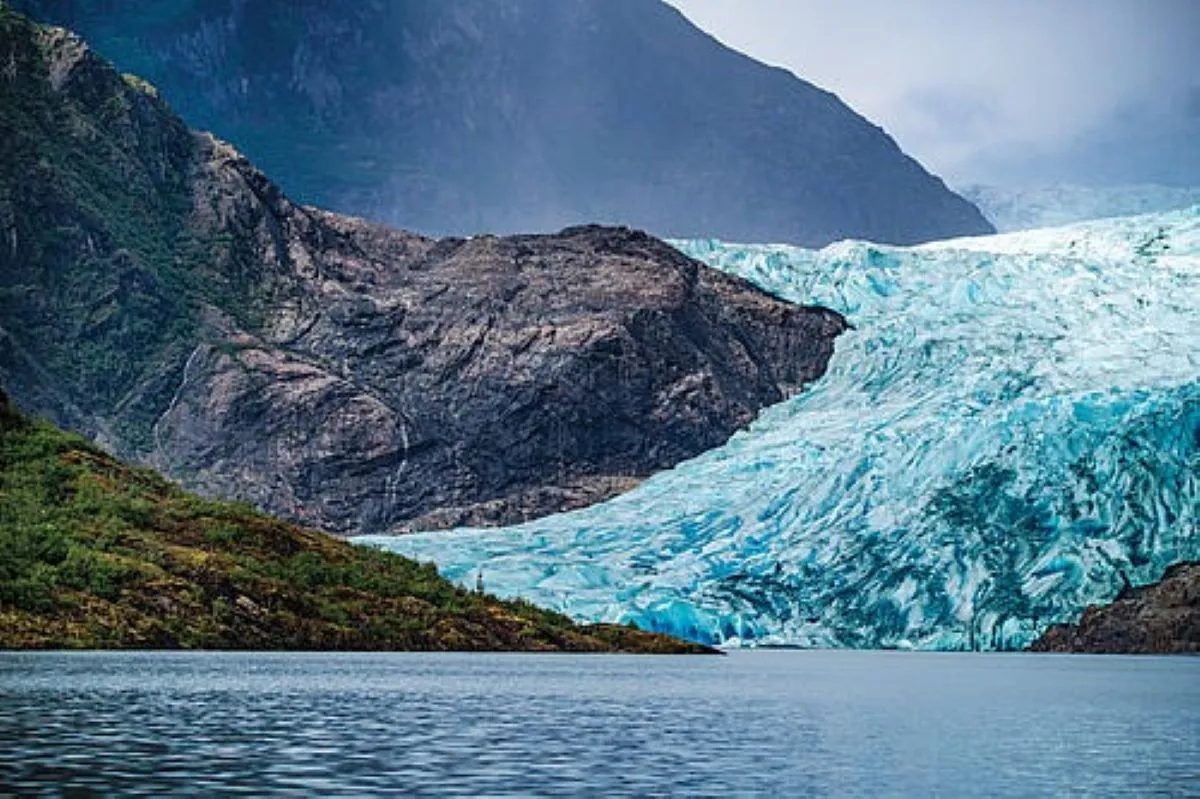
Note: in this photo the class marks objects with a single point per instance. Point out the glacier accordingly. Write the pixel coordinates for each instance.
(1029, 207)
(1009, 433)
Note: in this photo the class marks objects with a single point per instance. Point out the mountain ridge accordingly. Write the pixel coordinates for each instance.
(471, 116)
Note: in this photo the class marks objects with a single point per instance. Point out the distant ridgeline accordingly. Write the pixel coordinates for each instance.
(467, 116)
(96, 554)
(160, 295)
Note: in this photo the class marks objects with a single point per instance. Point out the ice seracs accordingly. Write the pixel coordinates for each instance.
(1011, 430)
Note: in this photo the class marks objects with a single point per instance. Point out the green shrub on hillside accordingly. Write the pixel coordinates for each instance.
(95, 553)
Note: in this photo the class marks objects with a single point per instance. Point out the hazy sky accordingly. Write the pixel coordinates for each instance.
(1100, 90)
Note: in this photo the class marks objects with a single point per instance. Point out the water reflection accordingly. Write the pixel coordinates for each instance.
(793, 723)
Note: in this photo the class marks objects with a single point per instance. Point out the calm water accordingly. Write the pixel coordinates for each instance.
(781, 723)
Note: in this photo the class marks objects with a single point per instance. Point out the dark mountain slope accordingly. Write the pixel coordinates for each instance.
(159, 294)
(96, 554)
(461, 116)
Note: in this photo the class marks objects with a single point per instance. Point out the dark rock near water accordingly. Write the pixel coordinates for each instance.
(160, 294)
(461, 116)
(1163, 618)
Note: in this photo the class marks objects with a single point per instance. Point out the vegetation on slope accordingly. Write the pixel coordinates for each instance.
(100, 242)
(97, 554)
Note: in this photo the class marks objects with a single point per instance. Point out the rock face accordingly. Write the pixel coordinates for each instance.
(483, 381)
(462, 116)
(1163, 618)
(158, 293)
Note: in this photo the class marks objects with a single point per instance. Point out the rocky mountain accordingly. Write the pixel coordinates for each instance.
(462, 116)
(161, 295)
(96, 554)
(1160, 618)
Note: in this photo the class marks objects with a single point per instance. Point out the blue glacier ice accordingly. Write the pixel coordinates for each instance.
(1011, 429)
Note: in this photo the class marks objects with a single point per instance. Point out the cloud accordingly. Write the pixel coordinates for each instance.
(960, 83)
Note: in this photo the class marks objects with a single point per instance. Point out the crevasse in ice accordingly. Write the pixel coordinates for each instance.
(1011, 430)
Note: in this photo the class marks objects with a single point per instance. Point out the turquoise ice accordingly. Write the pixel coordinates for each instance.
(1011, 430)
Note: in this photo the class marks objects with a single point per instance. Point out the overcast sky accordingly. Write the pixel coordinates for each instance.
(1099, 90)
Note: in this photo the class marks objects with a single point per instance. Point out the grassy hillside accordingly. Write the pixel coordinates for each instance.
(96, 554)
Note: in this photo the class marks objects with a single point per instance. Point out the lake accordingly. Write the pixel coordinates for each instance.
(791, 723)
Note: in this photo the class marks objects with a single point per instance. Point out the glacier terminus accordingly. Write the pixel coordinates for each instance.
(1010, 432)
